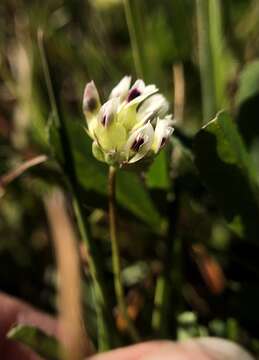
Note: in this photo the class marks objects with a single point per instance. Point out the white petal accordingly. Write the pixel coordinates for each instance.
(163, 131)
(91, 99)
(108, 111)
(150, 88)
(139, 84)
(122, 88)
(139, 143)
(141, 98)
(157, 104)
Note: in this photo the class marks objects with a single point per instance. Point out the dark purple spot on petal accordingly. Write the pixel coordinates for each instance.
(137, 144)
(133, 94)
(91, 104)
(164, 139)
(104, 120)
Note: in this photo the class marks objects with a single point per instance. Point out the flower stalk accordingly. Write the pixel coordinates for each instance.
(116, 262)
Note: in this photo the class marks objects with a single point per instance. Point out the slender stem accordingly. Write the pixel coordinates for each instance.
(13, 174)
(132, 18)
(206, 60)
(179, 91)
(106, 328)
(161, 292)
(168, 283)
(116, 263)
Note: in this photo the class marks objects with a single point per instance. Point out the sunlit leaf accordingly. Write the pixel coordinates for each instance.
(40, 342)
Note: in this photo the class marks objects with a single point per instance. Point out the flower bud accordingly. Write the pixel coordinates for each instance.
(164, 129)
(91, 99)
(122, 89)
(108, 112)
(139, 143)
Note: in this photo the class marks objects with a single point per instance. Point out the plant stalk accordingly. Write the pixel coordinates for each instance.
(166, 299)
(106, 329)
(116, 262)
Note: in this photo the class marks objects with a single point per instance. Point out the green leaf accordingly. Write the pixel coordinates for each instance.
(133, 195)
(43, 344)
(158, 174)
(248, 82)
(247, 100)
(225, 167)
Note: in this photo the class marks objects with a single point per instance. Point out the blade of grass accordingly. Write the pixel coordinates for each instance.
(107, 329)
(43, 344)
(179, 91)
(133, 18)
(219, 51)
(206, 61)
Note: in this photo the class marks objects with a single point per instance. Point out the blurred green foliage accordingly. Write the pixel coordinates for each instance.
(201, 197)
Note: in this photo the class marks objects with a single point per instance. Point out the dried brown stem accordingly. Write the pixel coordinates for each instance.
(70, 300)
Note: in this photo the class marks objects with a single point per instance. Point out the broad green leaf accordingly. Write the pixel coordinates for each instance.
(133, 195)
(248, 82)
(247, 100)
(41, 343)
(158, 174)
(225, 168)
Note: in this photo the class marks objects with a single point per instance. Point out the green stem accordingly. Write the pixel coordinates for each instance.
(206, 61)
(166, 300)
(161, 294)
(137, 43)
(116, 263)
(106, 329)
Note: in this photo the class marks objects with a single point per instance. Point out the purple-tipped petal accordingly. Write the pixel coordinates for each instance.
(91, 99)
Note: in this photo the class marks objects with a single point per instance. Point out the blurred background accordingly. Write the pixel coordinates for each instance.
(172, 230)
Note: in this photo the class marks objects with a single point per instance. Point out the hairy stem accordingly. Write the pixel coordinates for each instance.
(116, 263)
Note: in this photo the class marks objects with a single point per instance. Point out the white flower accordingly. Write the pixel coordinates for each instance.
(132, 124)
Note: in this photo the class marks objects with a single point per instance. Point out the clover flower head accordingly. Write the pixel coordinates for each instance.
(131, 125)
